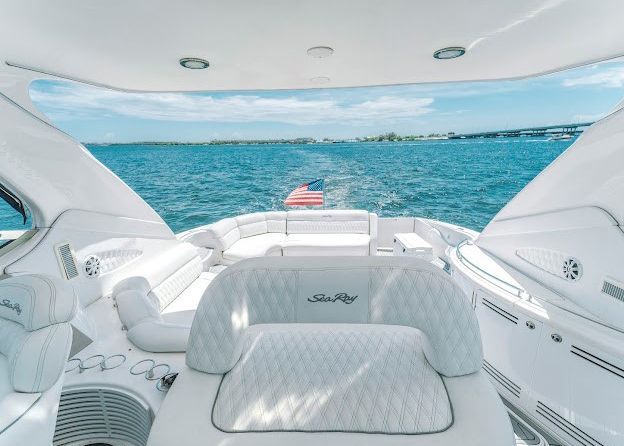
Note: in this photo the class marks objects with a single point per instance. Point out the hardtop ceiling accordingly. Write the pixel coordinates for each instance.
(257, 45)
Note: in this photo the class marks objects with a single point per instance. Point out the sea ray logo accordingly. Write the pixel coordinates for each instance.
(343, 297)
(11, 306)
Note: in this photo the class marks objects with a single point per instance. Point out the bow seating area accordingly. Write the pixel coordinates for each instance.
(292, 233)
(35, 339)
(332, 350)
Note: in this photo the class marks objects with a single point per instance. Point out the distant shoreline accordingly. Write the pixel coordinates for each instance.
(556, 131)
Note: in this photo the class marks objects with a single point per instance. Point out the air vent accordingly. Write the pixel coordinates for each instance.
(565, 426)
(611, 288)
(92, 266)
(92, 416)
(501, 379)
(66, 260)
(498, 310)
(572, 269)
(597, 361)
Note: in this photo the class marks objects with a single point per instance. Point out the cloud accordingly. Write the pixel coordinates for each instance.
(66, 101)
(609, 78)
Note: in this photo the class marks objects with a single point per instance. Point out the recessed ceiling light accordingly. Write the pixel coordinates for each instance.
(320, 80)
(450, 53)
(320, 52)
(193, 63)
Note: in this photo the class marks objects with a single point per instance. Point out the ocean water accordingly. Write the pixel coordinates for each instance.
(465, 182)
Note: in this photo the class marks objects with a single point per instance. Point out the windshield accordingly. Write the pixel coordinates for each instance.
(452, 152)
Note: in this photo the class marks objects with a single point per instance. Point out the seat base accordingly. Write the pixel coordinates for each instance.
(190, 413)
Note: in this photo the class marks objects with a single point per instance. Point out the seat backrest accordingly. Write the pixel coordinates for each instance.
(378, 290)
(161, 279)
(35, 334)
(219, 235)
(328, 222)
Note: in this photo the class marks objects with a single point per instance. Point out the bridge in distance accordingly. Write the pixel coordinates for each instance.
(561, 129)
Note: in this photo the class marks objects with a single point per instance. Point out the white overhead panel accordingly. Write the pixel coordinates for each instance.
(285, 44)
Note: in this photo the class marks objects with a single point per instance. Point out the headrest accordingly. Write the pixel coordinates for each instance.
(36, 301)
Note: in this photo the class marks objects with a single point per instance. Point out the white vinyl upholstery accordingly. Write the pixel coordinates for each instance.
(328, 222)
(334, 351)
(389, 290)
(158, 303)
(397, 391)
(326, 244)
(255, 246)
(292, 233)
(276, 221)
(35, 334)
(251, 224)
(165, 293)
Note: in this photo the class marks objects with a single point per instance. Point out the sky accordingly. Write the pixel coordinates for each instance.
(93, 114)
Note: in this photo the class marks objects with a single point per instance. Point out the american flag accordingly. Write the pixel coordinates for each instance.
(309, 194)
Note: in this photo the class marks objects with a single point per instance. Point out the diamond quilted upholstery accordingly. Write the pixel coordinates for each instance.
(233, 301)
(172, 287)
(402, 290)
(439, 308)
(347, 378)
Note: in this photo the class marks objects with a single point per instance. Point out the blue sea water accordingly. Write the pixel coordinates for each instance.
(465, 182)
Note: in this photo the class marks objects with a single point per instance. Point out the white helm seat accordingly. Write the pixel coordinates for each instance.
(35, 340)
(332, 350)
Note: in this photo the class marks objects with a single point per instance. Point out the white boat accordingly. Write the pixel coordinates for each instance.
(305, 327)
(560, 137)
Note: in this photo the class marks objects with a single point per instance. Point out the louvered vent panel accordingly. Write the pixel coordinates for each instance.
(501, 379)
(89, 416)
(613, 290)
(564, 425)
(66, 258)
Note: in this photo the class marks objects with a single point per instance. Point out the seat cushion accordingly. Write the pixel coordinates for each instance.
(190, 297)
(318, 378)
(186, 416)
(326, 244)
(328, 222)
(255, 246)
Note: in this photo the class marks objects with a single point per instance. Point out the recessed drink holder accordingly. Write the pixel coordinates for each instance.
(75, 361)
(105, 362)
(113, 361)
(150, 370)
(91, 362)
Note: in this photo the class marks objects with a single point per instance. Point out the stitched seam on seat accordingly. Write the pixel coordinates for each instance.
(219, 389)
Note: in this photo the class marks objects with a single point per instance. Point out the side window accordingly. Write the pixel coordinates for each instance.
(14, 217)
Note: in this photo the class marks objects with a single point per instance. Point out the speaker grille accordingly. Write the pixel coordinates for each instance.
(98, 415)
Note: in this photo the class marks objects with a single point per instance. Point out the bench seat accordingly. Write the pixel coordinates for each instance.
(292, 233)
(326, 244)
(257, 246)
